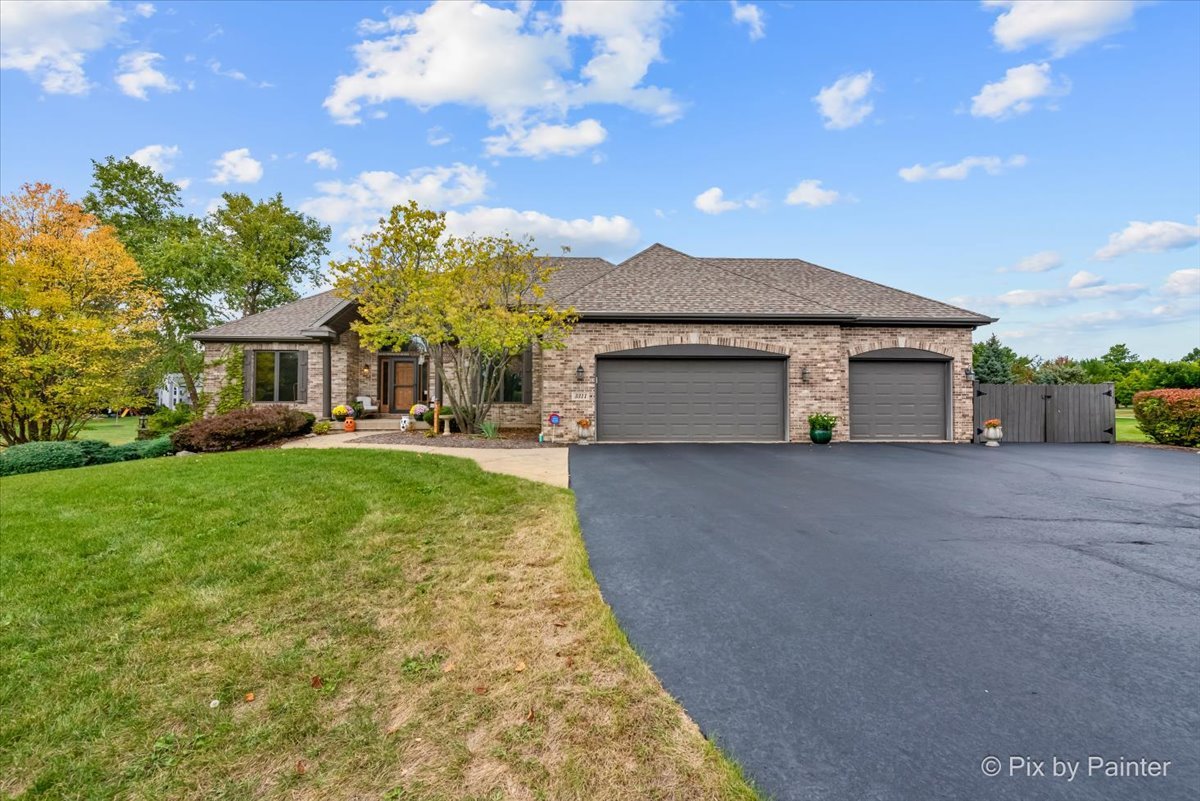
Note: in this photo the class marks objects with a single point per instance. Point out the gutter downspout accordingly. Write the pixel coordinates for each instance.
(326, 379)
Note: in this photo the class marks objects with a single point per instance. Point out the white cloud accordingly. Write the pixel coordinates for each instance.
(235, 74)
(437, 136)
(547, 140)
(144, 9)
(372, 194)
(1184, 283)
(712, 201)
(940, 171)
(323, 158)
(238, 167)
(1082, 286)
(1015, 92)
(512, 62)
(1150, 237)
(751, 16)
(597, 234)
(1040, 262)
(809, 193)
(184, 183)
(137, 74)
(844, 104)
(160, 158)
(49, 41)
(1105, 320)
(1084, 279)
(1063, 25)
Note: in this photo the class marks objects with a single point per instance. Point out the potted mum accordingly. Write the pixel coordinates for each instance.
(416, 416)
(820, 427)
(993, 432)
(341, 412)
(585, 430)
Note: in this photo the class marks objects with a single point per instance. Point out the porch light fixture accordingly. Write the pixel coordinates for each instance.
(579, 374)
(969, 373)
(366, 371)
(804, 374)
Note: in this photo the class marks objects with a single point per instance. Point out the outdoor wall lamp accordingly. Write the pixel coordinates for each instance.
(579, 374)
(804, 374)
(366, 371)
(969, 373)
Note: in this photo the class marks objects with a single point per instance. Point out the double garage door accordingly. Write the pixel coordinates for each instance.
(690, 400)
(745, 399)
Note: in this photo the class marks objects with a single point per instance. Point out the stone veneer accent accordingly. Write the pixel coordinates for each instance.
(824, 349)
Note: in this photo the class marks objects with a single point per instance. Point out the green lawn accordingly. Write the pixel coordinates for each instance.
(1127, 428)
(410, 628)
(113, 430)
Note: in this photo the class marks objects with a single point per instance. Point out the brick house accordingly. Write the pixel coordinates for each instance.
(668, 347)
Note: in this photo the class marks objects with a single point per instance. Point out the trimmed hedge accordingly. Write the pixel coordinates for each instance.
(242, 428)
(165, 420)
(34, 457)
(1169, 416)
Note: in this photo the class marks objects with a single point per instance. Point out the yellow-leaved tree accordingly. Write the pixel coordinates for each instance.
(473, 303)
(75, 316)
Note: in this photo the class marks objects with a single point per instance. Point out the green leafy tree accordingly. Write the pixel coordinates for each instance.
(1060, 370)
(474, 303)
(1120, 358)
(1097, 371)
(271, 248)
(1192, 355)
(993, 361)
(180, 261)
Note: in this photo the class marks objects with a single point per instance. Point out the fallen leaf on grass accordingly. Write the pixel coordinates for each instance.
(447, 667)
(301, 767)
(249, 698)
(530, 716)
(317, 682)
(520, 667)
(558, 624)
(481, 690)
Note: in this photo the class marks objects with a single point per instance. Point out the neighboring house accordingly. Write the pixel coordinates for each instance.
(668, 347)
(173, 390)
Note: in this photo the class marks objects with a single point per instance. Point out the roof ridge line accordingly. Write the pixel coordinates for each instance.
(777, 288)
(856, 278)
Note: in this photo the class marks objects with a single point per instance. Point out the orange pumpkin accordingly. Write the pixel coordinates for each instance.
(349, 424)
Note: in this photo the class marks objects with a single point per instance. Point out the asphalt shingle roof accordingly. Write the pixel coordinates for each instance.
(282, 322)
(660, 281)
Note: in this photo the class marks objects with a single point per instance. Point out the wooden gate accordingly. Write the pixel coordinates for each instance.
(1048, 412)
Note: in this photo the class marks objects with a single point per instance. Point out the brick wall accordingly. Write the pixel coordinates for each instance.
(824, 350)
(214, 370)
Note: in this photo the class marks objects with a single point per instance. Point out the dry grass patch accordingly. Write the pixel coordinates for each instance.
(410, 628)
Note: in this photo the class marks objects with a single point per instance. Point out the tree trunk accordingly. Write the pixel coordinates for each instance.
(193, 394)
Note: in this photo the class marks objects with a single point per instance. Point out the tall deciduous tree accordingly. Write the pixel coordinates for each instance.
(272, 249)
(186, 266)
(475, 303)
(75, 315)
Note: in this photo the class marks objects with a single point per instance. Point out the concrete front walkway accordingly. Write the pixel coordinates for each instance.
(547, 465)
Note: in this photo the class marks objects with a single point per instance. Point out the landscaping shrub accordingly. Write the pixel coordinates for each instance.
(1169, 416)
(242, 428)
(322, 427)
(34, 457)
(165, 420)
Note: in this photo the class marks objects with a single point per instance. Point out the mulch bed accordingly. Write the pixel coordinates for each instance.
(1159, 446)
(516, 438)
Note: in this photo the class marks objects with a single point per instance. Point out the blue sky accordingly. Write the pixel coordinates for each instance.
(1036, 161)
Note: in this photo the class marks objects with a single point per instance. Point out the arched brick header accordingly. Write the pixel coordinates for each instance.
(693, 339)
(899, 341)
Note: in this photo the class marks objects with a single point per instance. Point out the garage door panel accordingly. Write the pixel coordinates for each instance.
(897, 400)
(690, 399)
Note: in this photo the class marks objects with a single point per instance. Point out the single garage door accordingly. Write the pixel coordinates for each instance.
(690, 400)
(897, 400)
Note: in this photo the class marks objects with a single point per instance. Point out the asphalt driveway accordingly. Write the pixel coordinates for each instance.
(873, 621)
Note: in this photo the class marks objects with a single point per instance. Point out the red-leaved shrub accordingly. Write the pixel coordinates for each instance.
(242, 428)
(1169, 416)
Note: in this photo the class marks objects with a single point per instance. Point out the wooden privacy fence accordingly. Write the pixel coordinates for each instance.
(1048, 412)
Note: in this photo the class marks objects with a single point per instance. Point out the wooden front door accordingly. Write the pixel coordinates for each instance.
(403, 384)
